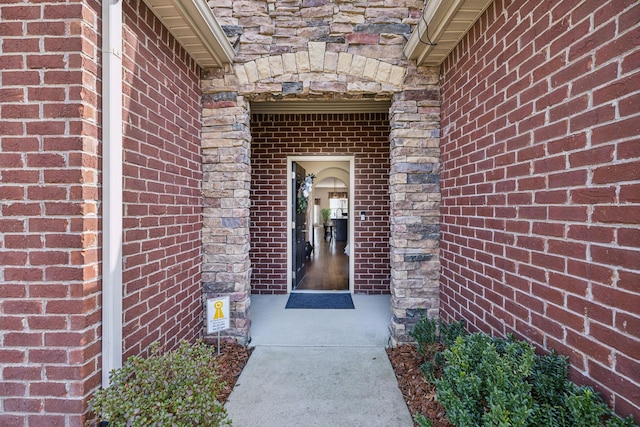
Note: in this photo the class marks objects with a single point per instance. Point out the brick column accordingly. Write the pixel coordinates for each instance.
(415, 204)
(49, 212)
(226, 179)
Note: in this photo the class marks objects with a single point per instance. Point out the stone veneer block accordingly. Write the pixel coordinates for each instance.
(252, 71)
(302, 62)
(211, 140)
(241, 74)
(344, 62)
(408, 132)
(330, 62)
(316, 56)
(231, 81)
(264, 70)
(384, 72)
(370, 68)
(211, 119)
(364, 87)
(357, 65)
(275, 63)
(355, 17)
(324, 86)
(397, 75)
(388, 89)
(289, 63)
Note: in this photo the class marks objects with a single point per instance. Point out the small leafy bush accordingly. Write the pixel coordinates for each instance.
(425, 333)
(449, 332)
(483, 381)
(429, 332)
(422, 421)
(501, 382)
(177, 388)
(560, 403)
(432, 336)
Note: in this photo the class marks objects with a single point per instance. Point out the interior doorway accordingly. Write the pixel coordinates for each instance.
(327, 263)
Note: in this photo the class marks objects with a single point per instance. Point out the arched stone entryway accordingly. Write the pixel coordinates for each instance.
(319, 75)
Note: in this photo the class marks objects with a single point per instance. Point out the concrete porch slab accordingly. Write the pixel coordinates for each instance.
(318, 386)
(318, 368)
(366, 325)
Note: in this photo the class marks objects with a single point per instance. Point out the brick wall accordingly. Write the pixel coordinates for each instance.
(274, 137)
(49, 203)
(49, 253)
(541, 184)
(162, 178)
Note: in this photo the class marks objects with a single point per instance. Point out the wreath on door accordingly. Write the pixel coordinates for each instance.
(304, 190)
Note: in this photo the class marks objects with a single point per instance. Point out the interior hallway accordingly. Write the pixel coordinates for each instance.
(327, 267)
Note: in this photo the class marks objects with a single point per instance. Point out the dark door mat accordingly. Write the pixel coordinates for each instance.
(313, 300)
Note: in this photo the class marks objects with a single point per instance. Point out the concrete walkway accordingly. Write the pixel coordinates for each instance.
(318, 368)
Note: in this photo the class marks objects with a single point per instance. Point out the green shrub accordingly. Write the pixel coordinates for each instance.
(431, 336)
(501, 382)
(585, 407)
(425, 333)
(422, 421)
(560, 403)
(177, 388)
(483, 381)
(449, 332)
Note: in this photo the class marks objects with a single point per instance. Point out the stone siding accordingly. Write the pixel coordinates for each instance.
(415, 205)
(332, 51)
(226, 183)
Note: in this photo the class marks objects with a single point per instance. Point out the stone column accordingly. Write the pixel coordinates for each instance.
(226, 142)
(415, 208)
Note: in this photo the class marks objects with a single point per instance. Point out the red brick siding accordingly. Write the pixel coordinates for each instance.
(541, 184)
(274, 138)
(162, 175)
(49, 253)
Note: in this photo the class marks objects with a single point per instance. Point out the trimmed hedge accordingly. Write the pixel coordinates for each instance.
(491, 381)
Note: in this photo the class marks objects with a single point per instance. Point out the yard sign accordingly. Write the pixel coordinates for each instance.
(217, 314)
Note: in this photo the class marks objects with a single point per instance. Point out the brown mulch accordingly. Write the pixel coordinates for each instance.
(232, 359)
(419, 394)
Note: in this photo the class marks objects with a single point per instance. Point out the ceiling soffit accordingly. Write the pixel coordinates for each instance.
(195, 27)
(441, 27)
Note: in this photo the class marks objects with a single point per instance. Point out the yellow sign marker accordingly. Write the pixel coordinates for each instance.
(217, 314)
(218, 306)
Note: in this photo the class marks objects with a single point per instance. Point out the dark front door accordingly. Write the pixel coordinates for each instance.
(299, 228)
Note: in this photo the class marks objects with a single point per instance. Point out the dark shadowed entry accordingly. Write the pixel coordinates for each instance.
(299, 225)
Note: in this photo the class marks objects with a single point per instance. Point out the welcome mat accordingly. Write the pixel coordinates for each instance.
(313, 300)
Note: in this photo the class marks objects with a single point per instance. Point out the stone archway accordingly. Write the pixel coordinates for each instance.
(318, 72)
(413, 177)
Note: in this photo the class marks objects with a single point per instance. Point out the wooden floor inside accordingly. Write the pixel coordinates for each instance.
(327, 267)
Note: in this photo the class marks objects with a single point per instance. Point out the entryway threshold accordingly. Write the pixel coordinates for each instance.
(366, 325)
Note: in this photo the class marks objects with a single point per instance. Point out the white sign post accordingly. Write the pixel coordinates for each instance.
(217, 316)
